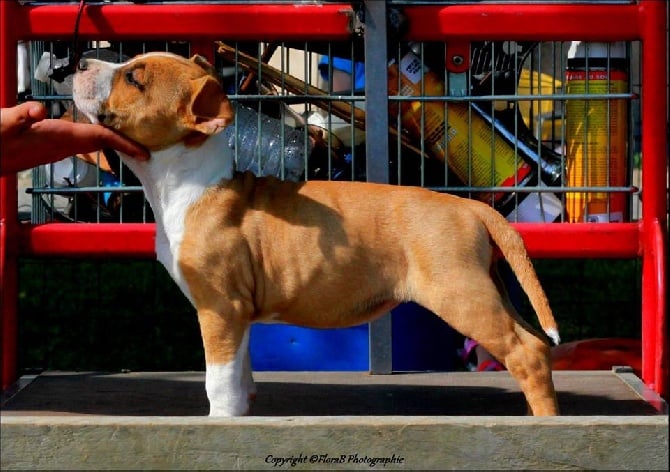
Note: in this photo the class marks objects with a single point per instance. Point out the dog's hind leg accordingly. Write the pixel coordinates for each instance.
(474, 307)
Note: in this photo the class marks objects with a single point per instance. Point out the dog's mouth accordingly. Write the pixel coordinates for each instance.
(87, 101)
(90, 87)
(88, 106)
(92, 115)
(106, 119)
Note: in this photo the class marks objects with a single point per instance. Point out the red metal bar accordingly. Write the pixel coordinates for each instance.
(523, 22)
(661, 371)
(654, 207)
(137, 240)
(581, 240)
(8, 207)
(185, 21)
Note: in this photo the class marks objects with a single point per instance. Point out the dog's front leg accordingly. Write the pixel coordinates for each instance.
(228, 379)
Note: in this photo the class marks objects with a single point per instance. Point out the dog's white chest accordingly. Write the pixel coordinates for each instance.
(173, 180)
(169, 235)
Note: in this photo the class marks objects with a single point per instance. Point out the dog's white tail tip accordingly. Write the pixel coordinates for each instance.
(553, 335)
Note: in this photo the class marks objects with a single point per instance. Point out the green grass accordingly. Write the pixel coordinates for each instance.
(107, 315)
(592, 297)
(115, 315)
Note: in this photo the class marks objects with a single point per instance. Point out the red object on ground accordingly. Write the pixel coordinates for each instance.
(598, 354)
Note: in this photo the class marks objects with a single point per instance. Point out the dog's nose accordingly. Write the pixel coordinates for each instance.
(82, 65)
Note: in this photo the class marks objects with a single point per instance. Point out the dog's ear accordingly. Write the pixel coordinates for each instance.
(210, 110)
(202, 62)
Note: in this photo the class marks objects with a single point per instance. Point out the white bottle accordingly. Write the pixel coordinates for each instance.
(267, 152)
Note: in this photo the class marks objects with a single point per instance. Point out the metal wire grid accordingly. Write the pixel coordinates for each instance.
(90, 191)
(76, 198)
(521, 85)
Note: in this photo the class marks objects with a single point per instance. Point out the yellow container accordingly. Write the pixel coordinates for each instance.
(596, 135)
(467, 143)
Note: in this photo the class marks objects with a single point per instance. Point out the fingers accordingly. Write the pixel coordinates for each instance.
(36, 111)
(68, 138)
(111, 139)
(20, 117)
(28, 139)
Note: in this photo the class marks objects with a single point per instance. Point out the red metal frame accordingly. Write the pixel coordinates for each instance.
(137, 240)
(645, 21)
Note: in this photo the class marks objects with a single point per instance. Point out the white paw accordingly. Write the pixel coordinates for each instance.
(229, 407)
(230, 386)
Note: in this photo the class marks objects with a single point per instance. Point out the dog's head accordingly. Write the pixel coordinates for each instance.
(156, 99)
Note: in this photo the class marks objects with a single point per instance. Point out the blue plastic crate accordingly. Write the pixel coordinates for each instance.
(421, 342)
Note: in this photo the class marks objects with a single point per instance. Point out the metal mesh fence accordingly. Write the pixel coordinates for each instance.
(555, 123)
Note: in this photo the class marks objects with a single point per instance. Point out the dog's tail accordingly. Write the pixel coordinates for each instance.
(513, 249)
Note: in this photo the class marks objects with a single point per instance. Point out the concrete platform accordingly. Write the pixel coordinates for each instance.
(323, 420)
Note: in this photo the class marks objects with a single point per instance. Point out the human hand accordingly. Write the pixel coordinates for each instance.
(28, 138)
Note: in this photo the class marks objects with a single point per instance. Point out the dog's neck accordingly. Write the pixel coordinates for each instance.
(173, 179)
(179, 174)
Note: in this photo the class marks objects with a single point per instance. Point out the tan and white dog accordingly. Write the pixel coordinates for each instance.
(319, 254)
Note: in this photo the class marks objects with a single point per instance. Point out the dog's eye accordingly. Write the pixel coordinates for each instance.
(131, 80)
